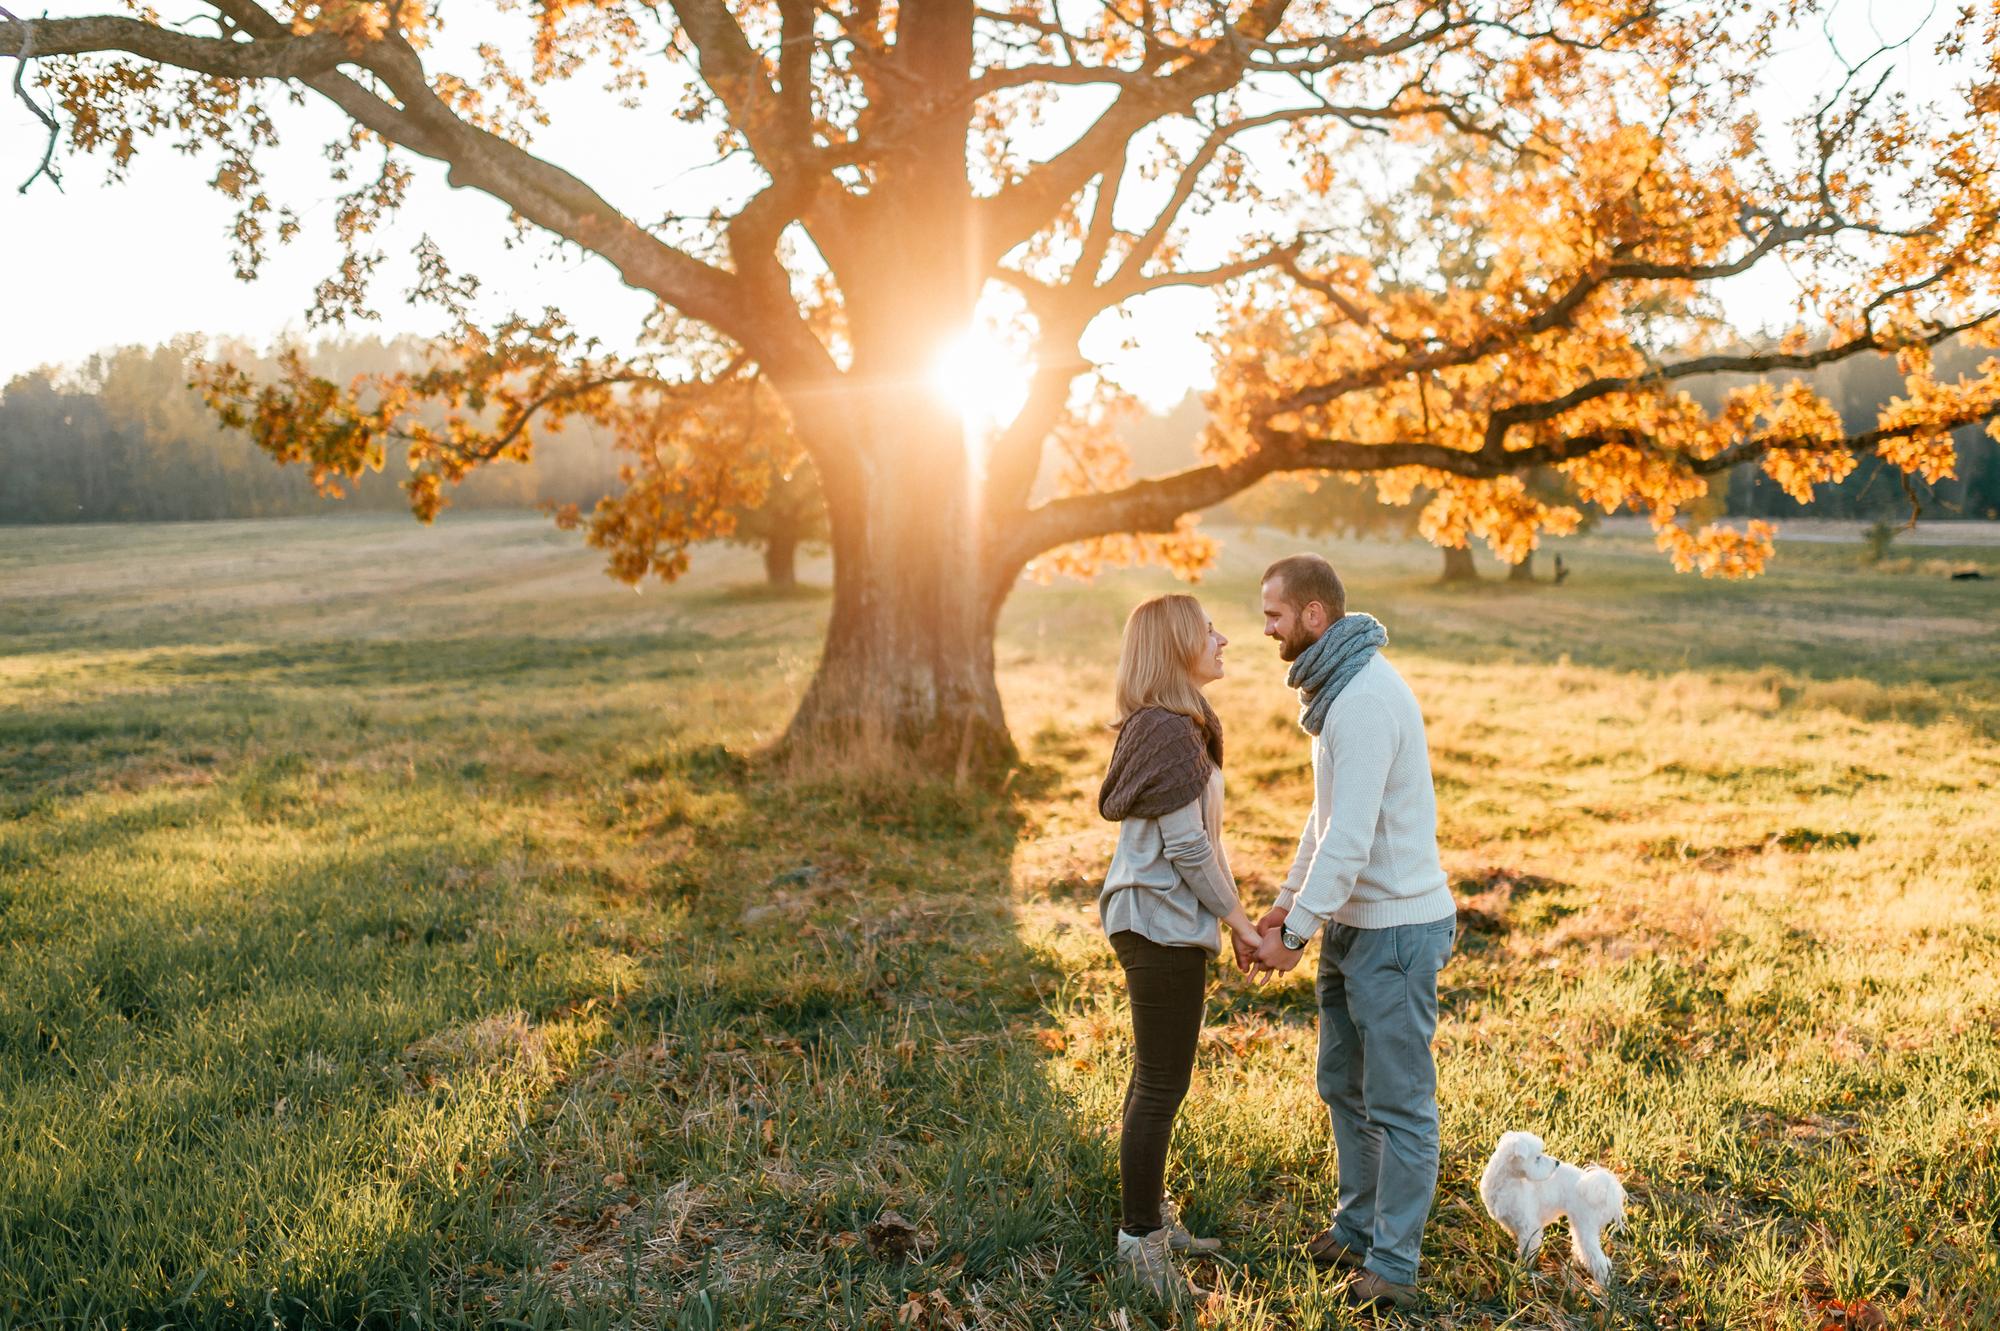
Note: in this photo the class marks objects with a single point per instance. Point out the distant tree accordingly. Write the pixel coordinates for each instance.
(718, 463)
(792, 514)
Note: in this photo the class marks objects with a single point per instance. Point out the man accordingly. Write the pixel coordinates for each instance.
(1367, 871)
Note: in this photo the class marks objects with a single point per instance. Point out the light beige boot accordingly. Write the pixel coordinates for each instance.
(1178, 1237)
(1149, 1263)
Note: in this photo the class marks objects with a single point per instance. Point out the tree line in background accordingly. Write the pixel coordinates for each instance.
(124, 438)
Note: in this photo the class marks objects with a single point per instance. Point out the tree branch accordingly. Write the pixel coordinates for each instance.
(1155, 505)
(1618, 266)
(733, 71)
(1024, 207)
(1528, 413)
(419, 121)
(286, 57)
(22, 57)
(1148, 244)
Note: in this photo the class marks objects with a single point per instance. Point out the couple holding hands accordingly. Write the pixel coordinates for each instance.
(1366, 879)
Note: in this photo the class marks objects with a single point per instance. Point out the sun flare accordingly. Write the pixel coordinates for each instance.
(984, 377)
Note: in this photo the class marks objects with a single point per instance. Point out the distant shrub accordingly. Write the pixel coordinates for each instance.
(1805, 838)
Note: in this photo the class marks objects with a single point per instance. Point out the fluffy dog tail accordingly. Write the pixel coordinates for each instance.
(1602, 1191)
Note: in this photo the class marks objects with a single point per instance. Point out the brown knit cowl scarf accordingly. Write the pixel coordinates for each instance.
(1160, 763)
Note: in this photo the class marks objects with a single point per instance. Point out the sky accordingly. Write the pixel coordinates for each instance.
(96, 265)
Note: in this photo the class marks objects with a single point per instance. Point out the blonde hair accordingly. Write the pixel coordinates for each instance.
(1163, 638)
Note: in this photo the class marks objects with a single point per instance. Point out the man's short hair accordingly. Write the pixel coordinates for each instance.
(1303, 579)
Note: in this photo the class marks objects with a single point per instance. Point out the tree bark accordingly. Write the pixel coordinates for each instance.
(908, 662)
(1458, 565)
(1523, 571)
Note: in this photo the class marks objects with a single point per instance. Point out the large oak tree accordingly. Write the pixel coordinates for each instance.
(1564, 182)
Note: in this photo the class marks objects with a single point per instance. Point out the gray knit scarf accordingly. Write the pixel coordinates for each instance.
(1160, 763)
(1324, 669)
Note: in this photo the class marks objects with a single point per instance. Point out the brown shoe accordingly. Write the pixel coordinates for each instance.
(1327, 1250)
(1369, 1289)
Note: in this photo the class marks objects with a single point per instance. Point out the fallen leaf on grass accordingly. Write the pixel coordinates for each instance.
(1855, 1315)
(889, 1235)
(930, 1311)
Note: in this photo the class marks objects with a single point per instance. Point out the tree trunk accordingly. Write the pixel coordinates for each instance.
(781, 552)
(1458, 564)
(908, 661)
(1523, 571)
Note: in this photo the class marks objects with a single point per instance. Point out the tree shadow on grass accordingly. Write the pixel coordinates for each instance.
(829, 1106)
(783, 1070)
(410, 661)
(759, 593)
(188, 717)
(218, 1107)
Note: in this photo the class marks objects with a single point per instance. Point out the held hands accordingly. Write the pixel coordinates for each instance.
(1260, 949)
(1246, 939)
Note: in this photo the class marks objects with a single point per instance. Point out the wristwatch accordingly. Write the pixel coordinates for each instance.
(1293, 942)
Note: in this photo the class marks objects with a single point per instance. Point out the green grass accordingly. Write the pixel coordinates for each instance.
(397, 927)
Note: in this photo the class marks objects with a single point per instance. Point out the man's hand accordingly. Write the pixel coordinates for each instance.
(1274, 954)
(1272, 919)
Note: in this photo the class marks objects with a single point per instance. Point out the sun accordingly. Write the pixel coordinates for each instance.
(985, 377)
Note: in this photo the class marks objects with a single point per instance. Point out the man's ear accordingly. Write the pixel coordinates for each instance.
(1314, 617)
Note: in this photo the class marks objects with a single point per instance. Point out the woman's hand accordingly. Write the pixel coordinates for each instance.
(1244, 937)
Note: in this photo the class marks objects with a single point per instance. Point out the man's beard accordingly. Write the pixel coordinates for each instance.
(1291, 645)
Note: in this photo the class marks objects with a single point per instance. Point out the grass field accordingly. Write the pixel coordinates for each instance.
(397, 927)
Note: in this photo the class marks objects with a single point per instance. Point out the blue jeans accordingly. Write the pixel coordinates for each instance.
(1377, 1016)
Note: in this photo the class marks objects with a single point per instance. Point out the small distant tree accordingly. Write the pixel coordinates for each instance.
(1876, 540)
(792, 516)
(716, 460)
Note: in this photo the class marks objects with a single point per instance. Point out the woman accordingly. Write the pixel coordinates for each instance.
(1168, 886)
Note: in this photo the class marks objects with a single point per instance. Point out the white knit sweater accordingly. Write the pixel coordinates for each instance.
(1368, 856)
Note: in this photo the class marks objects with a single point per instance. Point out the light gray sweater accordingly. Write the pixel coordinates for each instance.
(1169, 879)
(1368, 855)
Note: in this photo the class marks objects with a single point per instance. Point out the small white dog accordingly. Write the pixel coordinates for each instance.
(1525, 1188)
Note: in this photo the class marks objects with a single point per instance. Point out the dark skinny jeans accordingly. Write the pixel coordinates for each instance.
(1167, 986)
